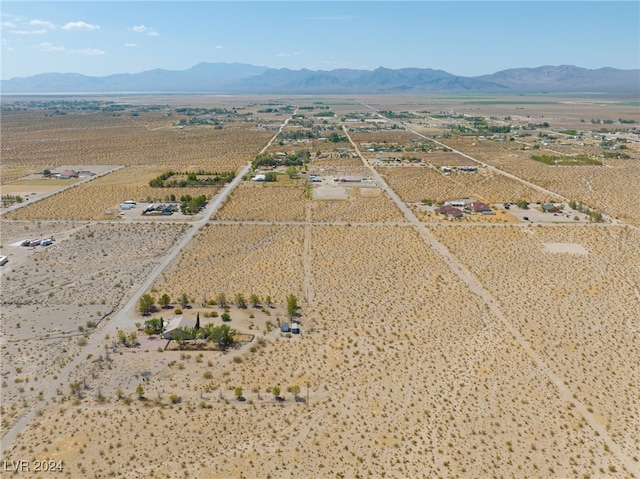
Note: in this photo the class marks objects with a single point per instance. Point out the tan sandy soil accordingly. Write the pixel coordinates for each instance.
(232, 259)
(610, 189)
(100, 198)
(484, 354)
(30, 138)
(464, 398)
(569, 306)
(264, 202)
(414, 184)
(52, 296)
(363, 205)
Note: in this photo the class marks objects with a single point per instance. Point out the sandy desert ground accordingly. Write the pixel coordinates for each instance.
(429, 347)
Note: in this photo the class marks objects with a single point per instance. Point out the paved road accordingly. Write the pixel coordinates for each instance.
(122, 319)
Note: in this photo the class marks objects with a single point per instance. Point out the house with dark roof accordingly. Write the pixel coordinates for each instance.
(550, 208)
(449, 210)
(478, 207)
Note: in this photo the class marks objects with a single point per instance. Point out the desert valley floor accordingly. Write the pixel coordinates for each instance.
(415, 287)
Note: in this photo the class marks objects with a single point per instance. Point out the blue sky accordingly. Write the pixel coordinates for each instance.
(461, 37)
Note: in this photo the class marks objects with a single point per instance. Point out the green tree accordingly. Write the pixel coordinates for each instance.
(255, 300)
(295, 390)
(268, 301)
(221, 300)
(276, 392)
(573, 205)
(292, 306)
(46, 173)
(241, 302)
(270, 177)
(291, 172)
(222, 335)
(524, 204)
(146, 305)
(182, 334)
(140, 392)
(153, 326)
(238, 393)
(184, 300)
(165, 300)
(198, 320)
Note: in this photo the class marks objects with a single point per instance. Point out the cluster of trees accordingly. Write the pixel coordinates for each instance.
(298, 134)
(8, 200)
(335, 138)
(223, 336)
(241, 301)
(147, 303)
(298, 158)
(594, 216)
(211, 178)
(398, 115)
(325, 113)
(153, 326)
(190, 205)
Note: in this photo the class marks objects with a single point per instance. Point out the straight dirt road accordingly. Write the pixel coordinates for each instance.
(123, 317)
(504, 325)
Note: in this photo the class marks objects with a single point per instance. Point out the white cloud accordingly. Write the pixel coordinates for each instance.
(130, 45)
(29, 32)
(49, 47)
(8, 25)
(284, 54)
(80, 26)
(89, 52)
(145, 30)
(42, 23)
(219, 47)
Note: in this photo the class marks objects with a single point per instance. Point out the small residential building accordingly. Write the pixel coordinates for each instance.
(550, 208)
(174, 323)
(449, 210)
(259, 178)
(66, 174)
(478, 207)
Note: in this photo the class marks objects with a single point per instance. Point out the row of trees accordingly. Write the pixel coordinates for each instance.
(299, 158)
(192, 179)
(8, 200)
(147, 303)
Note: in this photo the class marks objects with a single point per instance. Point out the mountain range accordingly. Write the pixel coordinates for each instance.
(239, 78)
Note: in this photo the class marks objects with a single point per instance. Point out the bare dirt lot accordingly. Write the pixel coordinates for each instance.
(487, 346)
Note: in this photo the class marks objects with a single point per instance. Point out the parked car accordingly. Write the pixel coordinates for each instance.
(26, 242)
